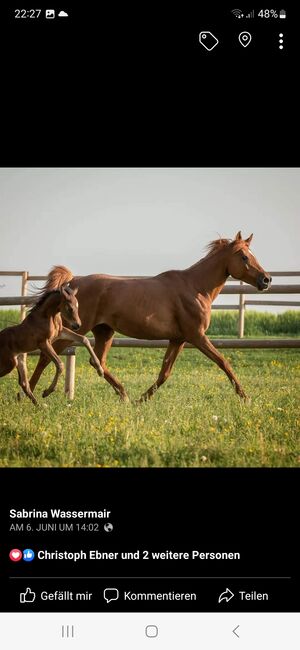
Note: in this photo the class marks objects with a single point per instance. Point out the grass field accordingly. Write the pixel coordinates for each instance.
(195, 419)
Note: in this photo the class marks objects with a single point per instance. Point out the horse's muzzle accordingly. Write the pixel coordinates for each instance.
(264, 282)
(75, 326)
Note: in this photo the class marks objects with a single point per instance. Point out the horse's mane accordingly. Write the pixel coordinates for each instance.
(40, 301)
(58, 277)
(217, 245)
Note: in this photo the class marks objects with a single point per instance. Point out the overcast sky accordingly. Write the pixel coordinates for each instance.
(143, 221)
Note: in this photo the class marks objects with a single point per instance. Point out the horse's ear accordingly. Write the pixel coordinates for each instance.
(249, 240)
(64, 292)
(238, 236)
(75, 291)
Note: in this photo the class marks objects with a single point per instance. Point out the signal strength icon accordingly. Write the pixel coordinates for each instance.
(250, 14)
(237, 13)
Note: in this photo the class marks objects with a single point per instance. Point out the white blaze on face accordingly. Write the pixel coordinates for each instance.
(251, 254)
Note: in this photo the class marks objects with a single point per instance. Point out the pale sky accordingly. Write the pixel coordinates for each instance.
(141, 221)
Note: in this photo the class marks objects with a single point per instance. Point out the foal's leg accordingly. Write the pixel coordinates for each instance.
(172, 352)
(7, 364)
(68, 334)
(23, 378)
(203, 344)
(50, 352)
(103, 339)
(44, 361)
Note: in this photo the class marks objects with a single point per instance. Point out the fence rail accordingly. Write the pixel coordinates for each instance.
(241, 290)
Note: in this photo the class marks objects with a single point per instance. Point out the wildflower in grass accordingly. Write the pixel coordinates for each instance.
(203, 458)
(215, 418)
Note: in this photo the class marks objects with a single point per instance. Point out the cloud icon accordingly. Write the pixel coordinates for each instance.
(63, 14)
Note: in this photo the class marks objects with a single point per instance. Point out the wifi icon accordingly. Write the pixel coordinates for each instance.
(237, 13)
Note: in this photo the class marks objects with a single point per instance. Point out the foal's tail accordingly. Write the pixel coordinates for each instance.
(58, 276)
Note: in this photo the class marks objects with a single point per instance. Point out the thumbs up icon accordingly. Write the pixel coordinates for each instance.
(28, 555)
(28, 596)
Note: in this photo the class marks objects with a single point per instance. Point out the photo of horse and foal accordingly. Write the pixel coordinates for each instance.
(174, 305)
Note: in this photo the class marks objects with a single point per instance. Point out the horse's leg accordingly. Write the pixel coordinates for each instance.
(203, 344)
(7, 365)
(43, 362)
(47, 348)
(172, 352)
(23, 378)
(68, 334)
(103, 339)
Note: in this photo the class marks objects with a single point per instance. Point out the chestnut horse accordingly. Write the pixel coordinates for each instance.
(174, 305)
(39, 329)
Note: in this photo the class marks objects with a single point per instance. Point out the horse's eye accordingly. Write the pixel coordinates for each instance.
(245, 258)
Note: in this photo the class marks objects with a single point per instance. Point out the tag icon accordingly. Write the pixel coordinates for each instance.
(208, 40)
(245, 38)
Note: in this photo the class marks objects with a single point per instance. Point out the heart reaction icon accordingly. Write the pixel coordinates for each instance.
(15, 555)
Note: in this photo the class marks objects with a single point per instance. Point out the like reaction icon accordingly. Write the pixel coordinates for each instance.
(27, 596)
(28, 555)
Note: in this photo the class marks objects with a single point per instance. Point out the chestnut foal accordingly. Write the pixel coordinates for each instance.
(42, 326)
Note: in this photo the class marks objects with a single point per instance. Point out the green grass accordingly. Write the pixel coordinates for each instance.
(223, 323)
(195, 419)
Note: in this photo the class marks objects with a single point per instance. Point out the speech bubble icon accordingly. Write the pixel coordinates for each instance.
(111, 594)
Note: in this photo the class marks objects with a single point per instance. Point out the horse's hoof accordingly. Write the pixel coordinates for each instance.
(244, 397)
(141, 400)
(46, 393)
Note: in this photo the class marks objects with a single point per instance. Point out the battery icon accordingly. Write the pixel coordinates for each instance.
(282, 13)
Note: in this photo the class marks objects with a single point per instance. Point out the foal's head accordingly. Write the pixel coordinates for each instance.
(242, 264)
(69, 307)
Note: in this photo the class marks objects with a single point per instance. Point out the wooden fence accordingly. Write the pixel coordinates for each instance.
(241, 289)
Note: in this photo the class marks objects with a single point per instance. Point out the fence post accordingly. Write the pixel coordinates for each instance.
(23, 355)
(241, 314)
(70, 374)
(24, 293)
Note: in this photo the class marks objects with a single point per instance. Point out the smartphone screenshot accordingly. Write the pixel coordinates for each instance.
(149, 327)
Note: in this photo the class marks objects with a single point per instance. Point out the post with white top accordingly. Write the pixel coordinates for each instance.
(241, 314)
(70, 373)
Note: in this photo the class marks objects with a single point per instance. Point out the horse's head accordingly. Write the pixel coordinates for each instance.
(69, 307)
(242, 264)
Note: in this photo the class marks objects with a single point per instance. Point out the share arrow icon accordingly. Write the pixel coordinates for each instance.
(226, 595)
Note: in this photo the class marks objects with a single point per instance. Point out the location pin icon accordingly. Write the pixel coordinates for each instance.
(245, 38)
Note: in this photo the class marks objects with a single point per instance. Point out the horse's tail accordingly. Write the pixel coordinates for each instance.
(58, 276)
